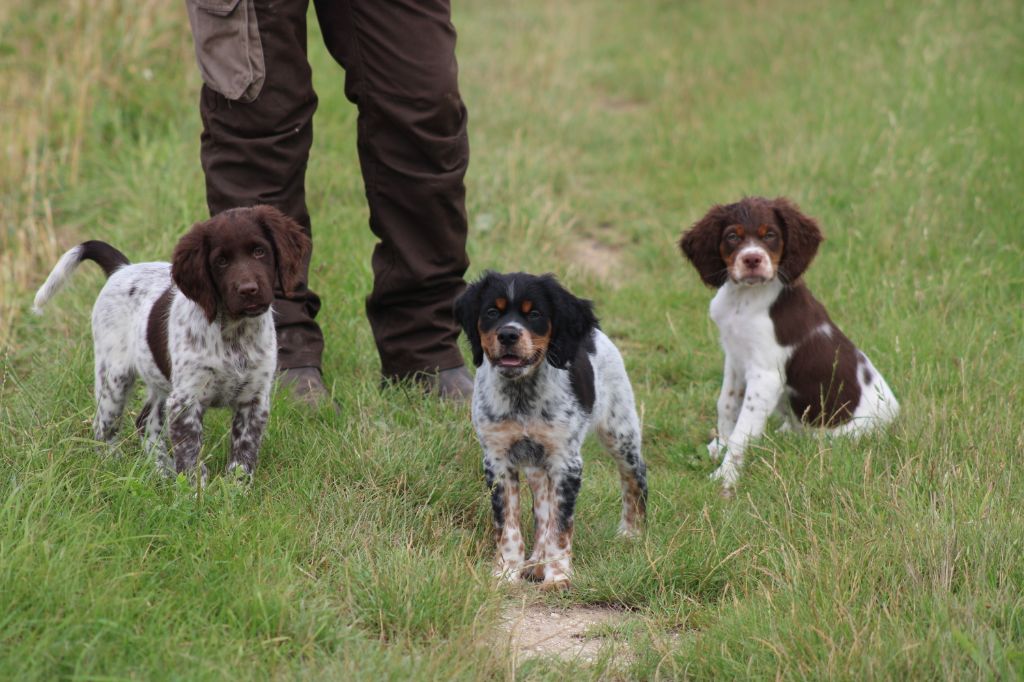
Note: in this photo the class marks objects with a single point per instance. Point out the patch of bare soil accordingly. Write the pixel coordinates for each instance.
(597, 257)
(622, 104)
(537, 630)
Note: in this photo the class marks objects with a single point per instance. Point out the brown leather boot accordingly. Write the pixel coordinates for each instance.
(306, 386)
(453, 384)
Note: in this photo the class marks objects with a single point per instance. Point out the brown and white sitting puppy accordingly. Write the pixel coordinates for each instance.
(546, 376)
(782, 352)
(199, 331)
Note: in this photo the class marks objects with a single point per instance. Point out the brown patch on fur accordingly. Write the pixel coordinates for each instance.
(822, 371)
(156, 332)
(526, 306)
(291, 244)
(801, 237)
(501, 436)
(507, 535)
(774, 247)
(540, 344)
(634, 508)
(701, 244)
(191, 272)
(490, 343)
(728, 250)
(544, 434)
(501, 304)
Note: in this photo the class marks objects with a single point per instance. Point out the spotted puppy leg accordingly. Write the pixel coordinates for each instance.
(565, 474)
(730, 399)
(763, 392)
(543, 521)
(150, 424)
(503, 481)
(247, 428)
(186, 425)
(113, 384)
(623, 442)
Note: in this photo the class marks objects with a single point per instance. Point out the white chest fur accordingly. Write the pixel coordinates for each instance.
(746, 329)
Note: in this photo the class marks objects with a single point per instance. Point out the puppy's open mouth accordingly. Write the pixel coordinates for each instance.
(511, 360)
(753, 279)
(256, 309)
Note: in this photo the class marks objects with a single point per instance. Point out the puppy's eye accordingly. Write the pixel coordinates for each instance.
(259, 252)
(732, 239)
(771, 234)
(492, 314)
(533, 315)
(221, 262)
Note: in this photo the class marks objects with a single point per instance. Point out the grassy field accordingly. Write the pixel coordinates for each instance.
(599, 130)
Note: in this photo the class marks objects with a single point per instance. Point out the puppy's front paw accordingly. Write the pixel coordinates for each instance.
(556, 577)
(239, 473)
(164, 466)
(534, 572)
(556, 585)
(715, 449)
(727, 473)
(629, 531)
(507, 572)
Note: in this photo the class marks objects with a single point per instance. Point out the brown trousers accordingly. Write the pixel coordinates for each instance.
(401, 73)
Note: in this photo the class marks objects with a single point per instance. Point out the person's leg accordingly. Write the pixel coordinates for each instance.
(255, 152)
(399, 59)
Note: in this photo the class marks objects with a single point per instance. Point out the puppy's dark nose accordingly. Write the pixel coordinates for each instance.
(752, 260)
(508, 335)
(248, 289)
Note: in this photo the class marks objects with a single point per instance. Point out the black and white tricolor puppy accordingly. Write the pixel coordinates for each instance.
(546, 376)
(199, 332)
(782, 351)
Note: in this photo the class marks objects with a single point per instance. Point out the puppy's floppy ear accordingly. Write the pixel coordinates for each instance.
(701, 245)
(190, 270)
(291, 245)
(801, 237)
(467, 313)
(572, 323)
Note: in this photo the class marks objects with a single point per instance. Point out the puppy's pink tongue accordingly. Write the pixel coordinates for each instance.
(509, 361)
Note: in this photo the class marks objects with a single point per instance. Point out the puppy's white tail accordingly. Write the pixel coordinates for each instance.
(108, 258)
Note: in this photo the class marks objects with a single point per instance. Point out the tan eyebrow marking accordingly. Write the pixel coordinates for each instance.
(526, 306)
(501, 304)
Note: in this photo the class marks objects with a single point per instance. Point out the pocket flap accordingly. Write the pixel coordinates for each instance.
(221, 8)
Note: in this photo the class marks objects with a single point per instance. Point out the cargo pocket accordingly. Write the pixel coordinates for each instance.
(228, 47)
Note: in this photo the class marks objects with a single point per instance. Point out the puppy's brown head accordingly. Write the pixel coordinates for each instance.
(517, 320)
(233, 260)
(752, 242)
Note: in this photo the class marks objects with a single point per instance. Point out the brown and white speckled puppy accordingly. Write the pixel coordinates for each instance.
(199, 332)
(782, 351)
(546, 376)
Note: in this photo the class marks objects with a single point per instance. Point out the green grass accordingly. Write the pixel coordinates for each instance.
(362, 551)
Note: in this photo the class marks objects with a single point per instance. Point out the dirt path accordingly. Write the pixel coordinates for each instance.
(534, 630)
